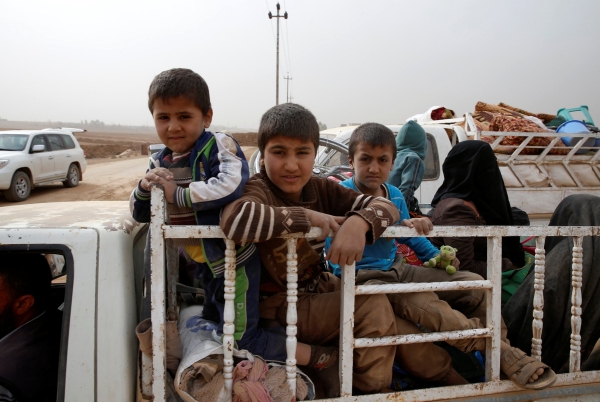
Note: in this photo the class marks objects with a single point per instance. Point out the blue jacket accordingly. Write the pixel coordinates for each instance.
(219, 175)
(381, 254)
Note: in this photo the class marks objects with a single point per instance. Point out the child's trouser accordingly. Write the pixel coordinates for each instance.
(268, 343)
(437, 311)
(319, 324)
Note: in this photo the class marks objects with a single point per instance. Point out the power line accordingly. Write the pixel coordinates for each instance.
(272, 30)
(286, 52)
(287, 39)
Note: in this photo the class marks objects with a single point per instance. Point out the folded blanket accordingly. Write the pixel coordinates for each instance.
(545, 117)
(276, 382)
(247, 385)
(489, 117)
(204, 380)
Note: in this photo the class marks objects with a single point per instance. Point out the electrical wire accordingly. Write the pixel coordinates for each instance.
(287, 38)
(285, 52)
(272, 30)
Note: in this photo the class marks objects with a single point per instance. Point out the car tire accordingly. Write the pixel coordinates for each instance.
(20, 188)
(72, 176)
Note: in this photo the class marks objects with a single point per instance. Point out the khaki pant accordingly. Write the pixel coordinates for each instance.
(319, 324)
(437, 311)
(426, 361)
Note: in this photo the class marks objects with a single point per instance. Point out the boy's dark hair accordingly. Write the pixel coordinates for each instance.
(27, 274)
(178, 82)
(374, 134)
(288, 120)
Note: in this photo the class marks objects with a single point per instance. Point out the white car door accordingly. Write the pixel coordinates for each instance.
(73, 154)
(59, 152)
(43, 162)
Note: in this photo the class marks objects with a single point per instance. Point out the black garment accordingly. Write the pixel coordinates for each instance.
(29, 359)
(471, 173)
(575, 210)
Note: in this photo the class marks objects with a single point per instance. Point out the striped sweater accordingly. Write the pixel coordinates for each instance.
(264, 212)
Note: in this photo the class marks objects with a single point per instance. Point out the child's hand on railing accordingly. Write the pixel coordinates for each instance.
(163, 177)
(421, 225)
(325, 222)
(154, 176)
(349, 243)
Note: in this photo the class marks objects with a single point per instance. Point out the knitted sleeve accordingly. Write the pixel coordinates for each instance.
(139, 201)
(253, 217)
(377, 211)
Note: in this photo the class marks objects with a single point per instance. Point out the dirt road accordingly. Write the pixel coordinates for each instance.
(104, 180)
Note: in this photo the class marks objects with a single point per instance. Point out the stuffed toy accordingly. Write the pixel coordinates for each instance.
(444, 258)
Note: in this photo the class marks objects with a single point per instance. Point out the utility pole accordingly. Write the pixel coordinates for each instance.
(287, 91)
(285, 15)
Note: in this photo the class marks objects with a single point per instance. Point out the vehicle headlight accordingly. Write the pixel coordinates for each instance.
(3, 162)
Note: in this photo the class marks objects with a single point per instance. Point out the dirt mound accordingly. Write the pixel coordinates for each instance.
(103, 145)
(108, 151)
(246, 139)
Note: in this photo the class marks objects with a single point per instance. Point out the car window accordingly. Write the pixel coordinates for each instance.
(58, 308)
(432, 160)
(13, 142)
(55, 142)
(39, 140)
(68, 141)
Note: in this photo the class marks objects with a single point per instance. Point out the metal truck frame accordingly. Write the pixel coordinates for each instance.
(584, 385)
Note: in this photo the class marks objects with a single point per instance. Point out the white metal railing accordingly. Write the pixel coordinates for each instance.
(542, 160)
(162, 308)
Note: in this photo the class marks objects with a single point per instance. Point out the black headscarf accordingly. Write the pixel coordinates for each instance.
(471, 173)
(575, 210)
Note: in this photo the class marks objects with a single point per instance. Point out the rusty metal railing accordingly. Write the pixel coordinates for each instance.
(161, 305)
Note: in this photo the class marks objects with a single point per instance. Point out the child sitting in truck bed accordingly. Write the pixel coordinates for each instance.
(201, 172)
(285, 198)
(371, 153)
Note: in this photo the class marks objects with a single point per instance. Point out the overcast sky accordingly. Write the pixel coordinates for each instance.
(350, 61)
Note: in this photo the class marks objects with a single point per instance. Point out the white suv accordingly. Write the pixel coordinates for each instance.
(29, 158)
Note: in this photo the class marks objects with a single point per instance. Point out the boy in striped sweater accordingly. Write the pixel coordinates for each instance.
(285, 198)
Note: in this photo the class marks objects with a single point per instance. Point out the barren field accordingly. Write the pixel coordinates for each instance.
(111, 144)
(110, 177)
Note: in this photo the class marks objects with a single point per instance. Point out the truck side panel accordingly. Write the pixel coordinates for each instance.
(117, 318)
(80, 384)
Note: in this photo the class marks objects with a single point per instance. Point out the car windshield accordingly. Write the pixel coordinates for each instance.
(13, 142)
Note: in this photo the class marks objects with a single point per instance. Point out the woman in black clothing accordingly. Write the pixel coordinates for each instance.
(473, 193)
(575, 210)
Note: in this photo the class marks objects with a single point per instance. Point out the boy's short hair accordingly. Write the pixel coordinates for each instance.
(374, 134)
(177, 82)
(288, 120)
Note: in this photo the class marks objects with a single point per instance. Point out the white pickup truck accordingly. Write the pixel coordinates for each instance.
(103, 250)
(535, 183)
(101, 286)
